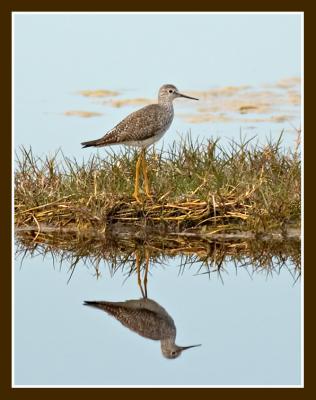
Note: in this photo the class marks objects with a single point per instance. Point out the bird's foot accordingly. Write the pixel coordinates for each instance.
(149, 195)
(137, 198)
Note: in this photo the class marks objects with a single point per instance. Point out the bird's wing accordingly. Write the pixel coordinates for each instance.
(140, 125)
(145, 322)
(135, 315)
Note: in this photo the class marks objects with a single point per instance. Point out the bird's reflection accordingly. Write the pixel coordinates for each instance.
(145, 317)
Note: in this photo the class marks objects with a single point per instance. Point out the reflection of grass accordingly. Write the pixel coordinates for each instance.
(196, 185)
(118, 249)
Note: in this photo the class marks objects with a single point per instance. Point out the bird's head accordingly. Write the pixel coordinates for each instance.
(174, 351)
(167, 93)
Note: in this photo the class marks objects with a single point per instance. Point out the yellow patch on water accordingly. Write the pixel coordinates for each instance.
(288, 82)
(294, 97)
(248, 100)
(240, 105)
(280, 118)
(98, 93)
(83, 114)
(196, 119)
(221, 117)
(131, 102)
(247, 108)
(221, 91)
(273, 118)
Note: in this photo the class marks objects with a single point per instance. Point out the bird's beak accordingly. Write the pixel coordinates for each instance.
(187, 97)
(190, 347)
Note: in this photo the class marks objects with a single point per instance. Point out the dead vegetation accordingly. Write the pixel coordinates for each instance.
(196, 186)
(119, 249)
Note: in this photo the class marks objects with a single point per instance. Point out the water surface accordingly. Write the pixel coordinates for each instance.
(245, 316)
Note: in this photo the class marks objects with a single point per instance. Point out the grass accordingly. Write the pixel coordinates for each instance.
(199, 186)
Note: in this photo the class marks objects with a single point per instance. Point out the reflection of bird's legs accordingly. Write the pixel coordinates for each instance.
(146, 270)
(144, 164)
(139, 281)
(136, 191)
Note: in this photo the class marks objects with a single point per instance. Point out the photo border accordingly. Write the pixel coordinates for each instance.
(7, 392)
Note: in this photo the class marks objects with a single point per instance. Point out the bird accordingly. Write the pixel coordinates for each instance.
(147, 318)
(142, 128)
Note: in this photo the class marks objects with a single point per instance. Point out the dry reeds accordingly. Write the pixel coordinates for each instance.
(197, 186)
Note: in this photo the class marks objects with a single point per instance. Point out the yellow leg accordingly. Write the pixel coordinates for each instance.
(145, 175)
(146, 271)
(139, 281)
(136, 191)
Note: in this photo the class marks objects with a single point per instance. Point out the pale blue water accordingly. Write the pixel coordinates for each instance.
(249, 328)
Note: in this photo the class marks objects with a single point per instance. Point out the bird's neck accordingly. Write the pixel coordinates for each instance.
(165, 103)
(169, 342)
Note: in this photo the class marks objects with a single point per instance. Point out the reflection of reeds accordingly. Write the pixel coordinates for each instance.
(196, 185)
(120, 248)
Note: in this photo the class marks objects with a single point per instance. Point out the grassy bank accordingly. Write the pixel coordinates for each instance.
(196, 185)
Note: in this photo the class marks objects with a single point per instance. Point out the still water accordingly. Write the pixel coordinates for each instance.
(245, 315)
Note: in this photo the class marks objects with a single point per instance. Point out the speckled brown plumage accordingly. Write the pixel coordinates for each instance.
(143, 316)
(147, 123)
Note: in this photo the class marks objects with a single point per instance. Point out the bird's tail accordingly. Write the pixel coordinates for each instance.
(90, 143)
(103, 305)
(113, 308)
(96, 304)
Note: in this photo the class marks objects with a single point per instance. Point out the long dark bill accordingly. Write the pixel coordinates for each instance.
(190, 347)
(187, 97)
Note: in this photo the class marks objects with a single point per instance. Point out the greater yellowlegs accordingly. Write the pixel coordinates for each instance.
(147, 318)
(142, 128)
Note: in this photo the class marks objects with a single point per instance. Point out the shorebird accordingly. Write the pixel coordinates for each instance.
(148, 319)
(142, 128)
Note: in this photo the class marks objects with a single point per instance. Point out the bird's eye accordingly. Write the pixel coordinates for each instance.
(170, 91)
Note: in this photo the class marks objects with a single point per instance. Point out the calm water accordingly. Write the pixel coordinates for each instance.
(248, 323)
